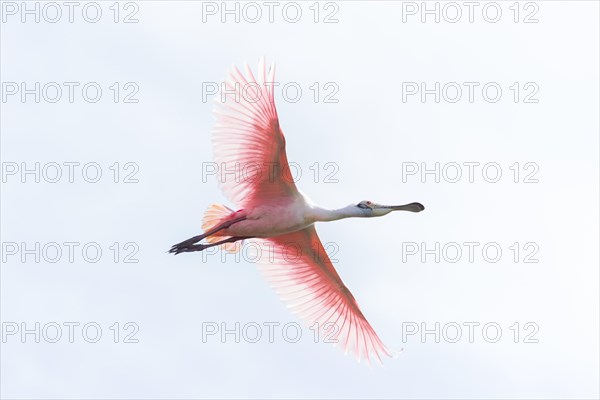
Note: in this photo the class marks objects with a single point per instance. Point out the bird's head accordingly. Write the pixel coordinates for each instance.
(370, 209)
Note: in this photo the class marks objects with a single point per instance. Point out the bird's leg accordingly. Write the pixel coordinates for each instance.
(195, 239)
(200, 247)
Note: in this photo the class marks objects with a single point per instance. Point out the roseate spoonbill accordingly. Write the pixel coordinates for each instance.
(271, 209)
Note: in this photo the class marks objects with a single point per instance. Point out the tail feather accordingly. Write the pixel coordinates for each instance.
(214, 215)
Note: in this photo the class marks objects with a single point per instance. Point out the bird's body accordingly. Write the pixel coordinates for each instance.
(274, 218)
(247, 137)
(285, 215)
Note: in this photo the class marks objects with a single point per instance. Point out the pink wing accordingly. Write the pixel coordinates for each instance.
(304, 277)
(248, 144)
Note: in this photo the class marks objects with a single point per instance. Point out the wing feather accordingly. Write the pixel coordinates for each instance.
(313, 290)
(248, 143)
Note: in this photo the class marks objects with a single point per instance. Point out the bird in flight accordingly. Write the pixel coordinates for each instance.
(247, 137)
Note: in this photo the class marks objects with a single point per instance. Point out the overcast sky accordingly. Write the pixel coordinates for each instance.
(505, 162)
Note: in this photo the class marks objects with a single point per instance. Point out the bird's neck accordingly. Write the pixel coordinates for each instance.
(325, 215)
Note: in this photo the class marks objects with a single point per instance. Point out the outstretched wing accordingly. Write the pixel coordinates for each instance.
(300, 271)
(248, 144)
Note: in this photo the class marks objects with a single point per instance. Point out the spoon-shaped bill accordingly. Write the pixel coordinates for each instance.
(412, 207)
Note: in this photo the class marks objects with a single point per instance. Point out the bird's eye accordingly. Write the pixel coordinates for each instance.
(369, 203)
(362, 205)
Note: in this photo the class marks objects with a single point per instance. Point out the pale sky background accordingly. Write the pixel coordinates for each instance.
(368, 134)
